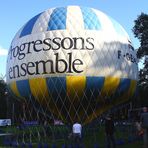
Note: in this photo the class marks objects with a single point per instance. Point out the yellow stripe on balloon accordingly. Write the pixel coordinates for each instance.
(132, 88)
(14, 89)
(120, 100)
(75, 86)
(39, 90)
(110, 86)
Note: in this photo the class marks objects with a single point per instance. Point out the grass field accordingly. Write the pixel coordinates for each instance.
(92, 137)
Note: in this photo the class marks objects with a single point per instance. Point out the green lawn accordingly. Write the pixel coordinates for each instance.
(58, 135)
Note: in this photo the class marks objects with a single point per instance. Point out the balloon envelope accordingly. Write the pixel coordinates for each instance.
(76, 62)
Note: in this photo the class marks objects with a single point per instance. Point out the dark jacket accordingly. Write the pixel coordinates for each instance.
(109, 126)
(144, 119)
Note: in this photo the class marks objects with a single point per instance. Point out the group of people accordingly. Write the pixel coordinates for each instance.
(110, 130)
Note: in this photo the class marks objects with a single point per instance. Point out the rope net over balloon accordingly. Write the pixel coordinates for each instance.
(41, 122)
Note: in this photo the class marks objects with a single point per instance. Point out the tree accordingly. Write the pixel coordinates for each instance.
(7, 100)
(140, 31)
(3, 103)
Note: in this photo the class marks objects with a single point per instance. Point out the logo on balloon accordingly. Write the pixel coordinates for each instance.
(46, 45)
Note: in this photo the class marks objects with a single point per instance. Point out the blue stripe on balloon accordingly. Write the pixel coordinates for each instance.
(90, 19)
(57, 87)
(29, 26)
(117, 27)
(38, 107)
(123, 87)
(24, 88)
(136, 93)
(58, 19)
(94, 86)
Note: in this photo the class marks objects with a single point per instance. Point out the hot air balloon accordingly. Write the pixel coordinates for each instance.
(76, 62)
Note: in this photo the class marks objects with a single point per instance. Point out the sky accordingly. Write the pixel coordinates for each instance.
(15, 13)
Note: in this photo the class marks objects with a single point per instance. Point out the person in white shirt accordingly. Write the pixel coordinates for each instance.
(77, 130)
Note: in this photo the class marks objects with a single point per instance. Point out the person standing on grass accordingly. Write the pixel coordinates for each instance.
(77, 131)
(144, 123)
(109, 131)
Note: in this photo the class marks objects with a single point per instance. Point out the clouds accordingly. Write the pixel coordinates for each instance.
(3, 52)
